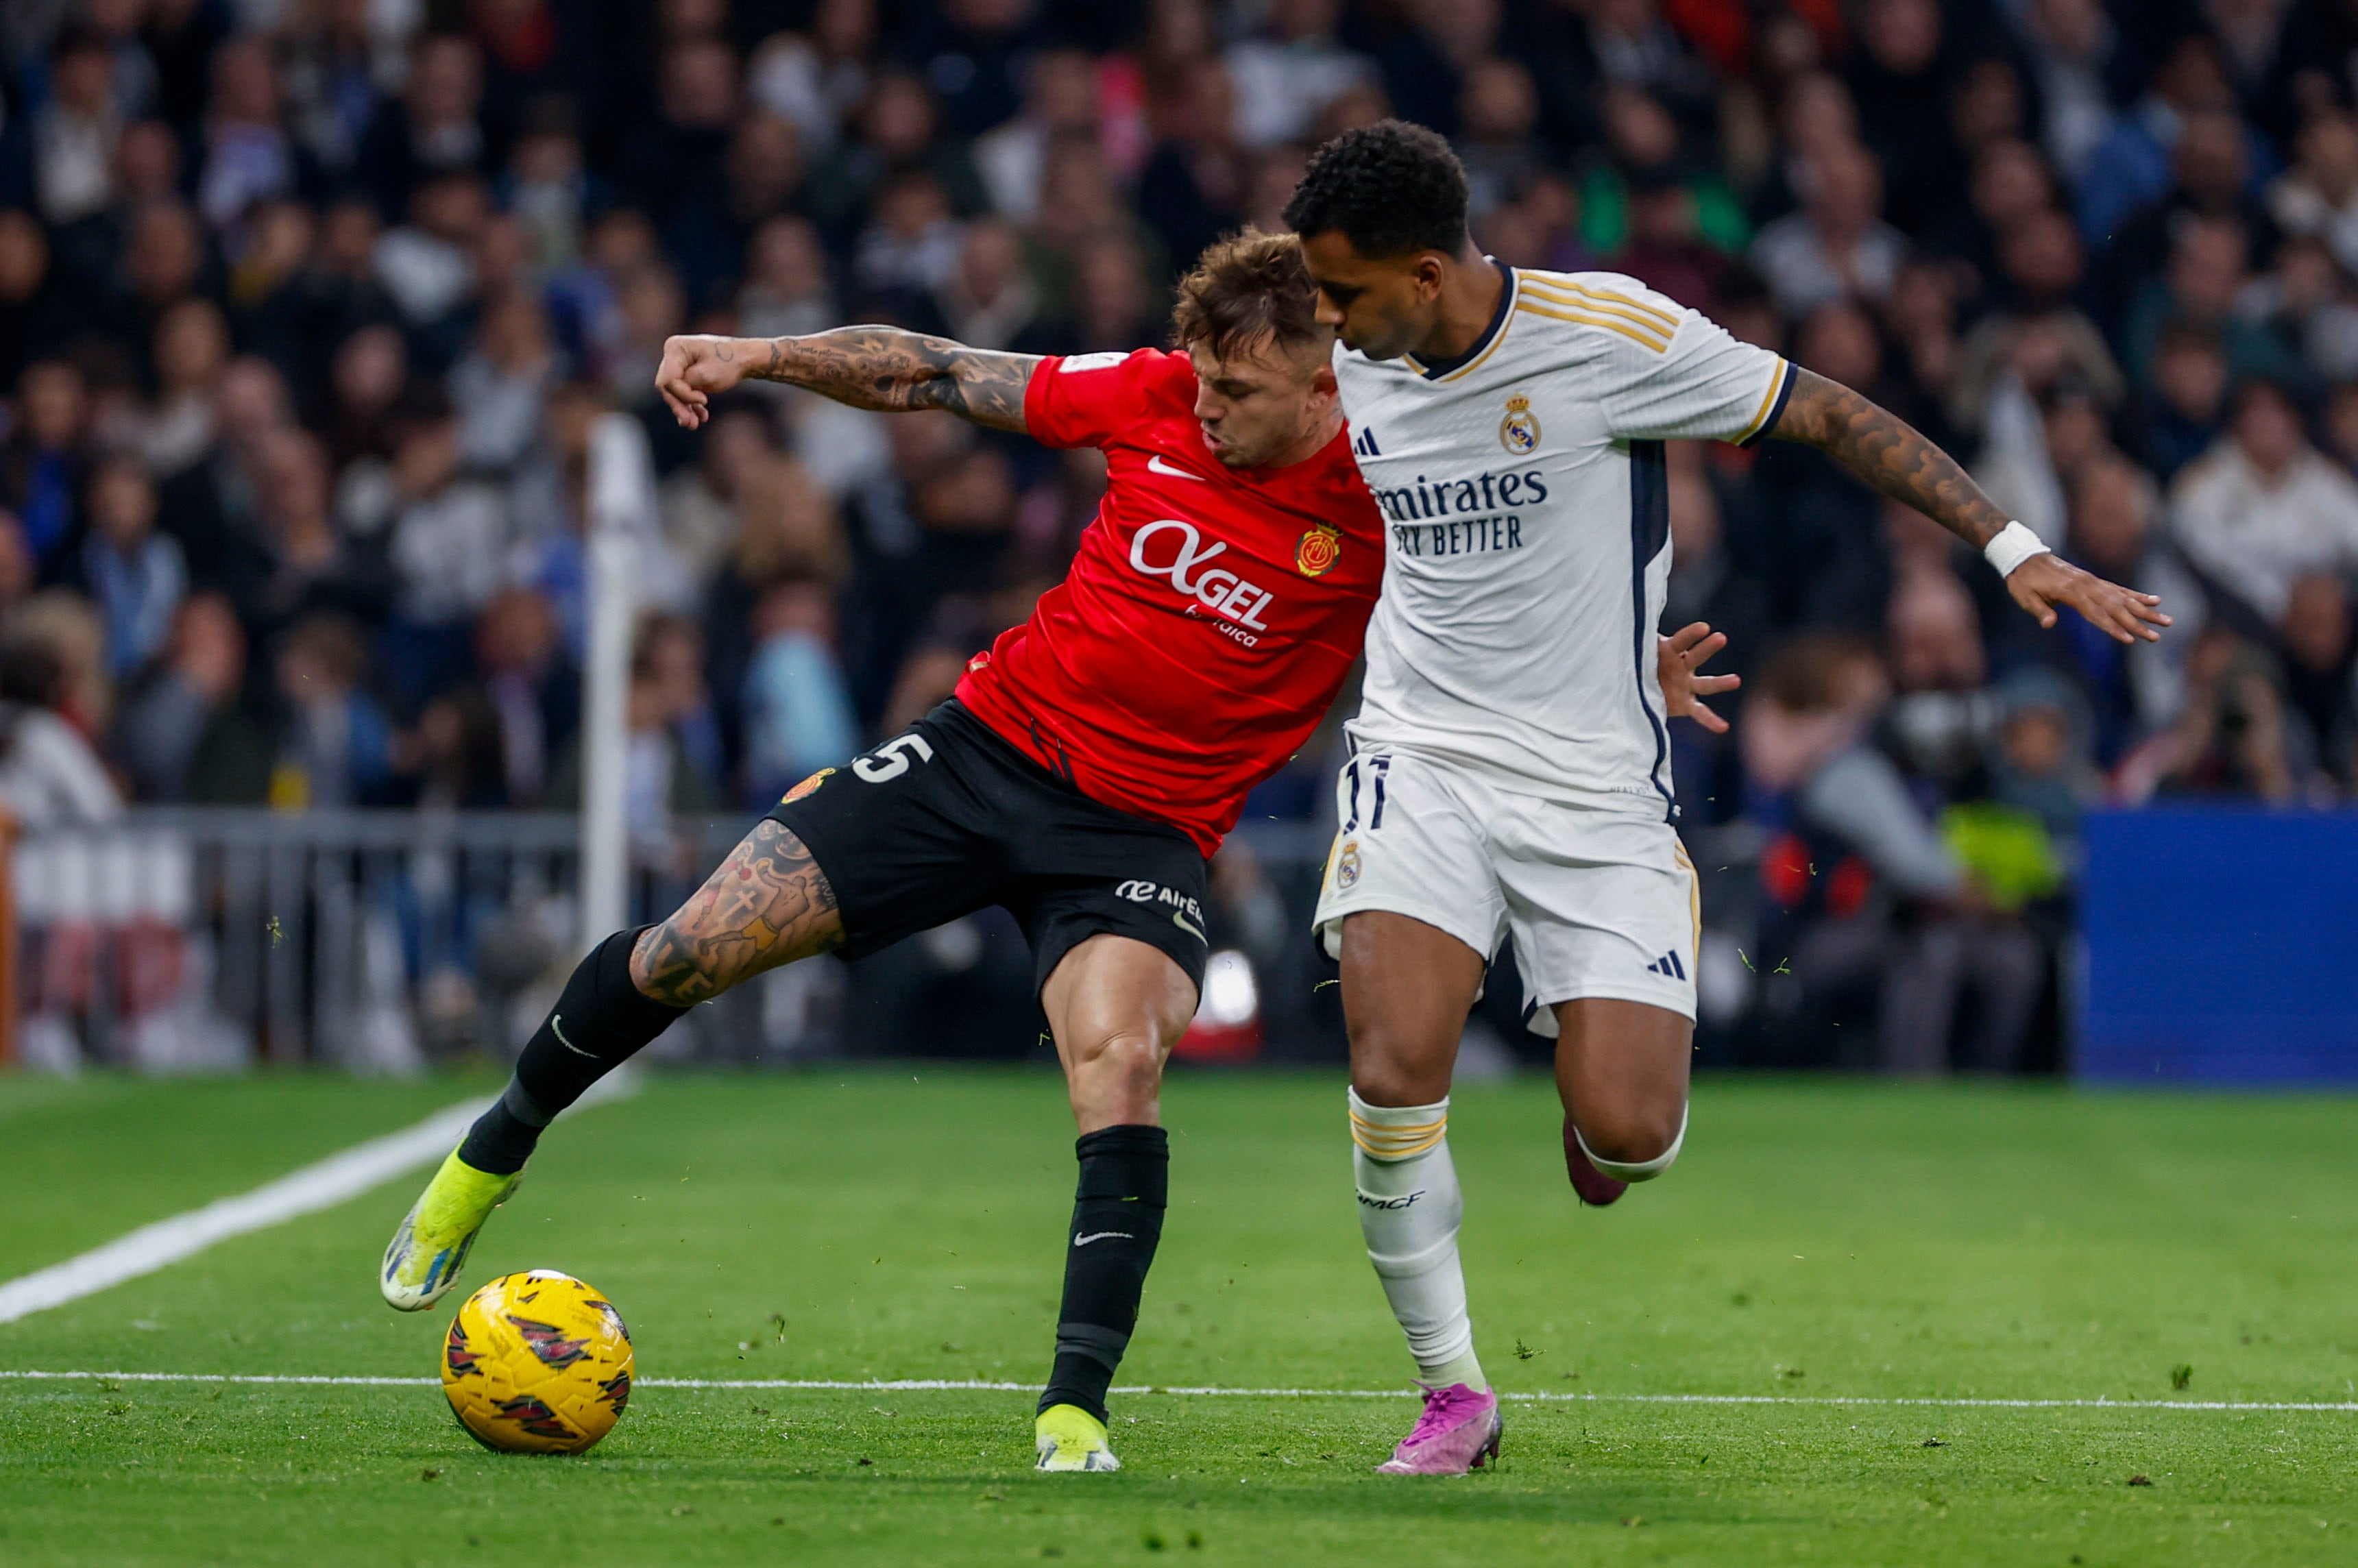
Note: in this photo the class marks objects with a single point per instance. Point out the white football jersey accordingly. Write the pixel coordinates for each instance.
(1529, 520)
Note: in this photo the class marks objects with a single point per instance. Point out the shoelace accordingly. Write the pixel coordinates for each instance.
(1443, 1408)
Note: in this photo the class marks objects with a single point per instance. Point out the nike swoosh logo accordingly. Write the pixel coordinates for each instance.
(1190, 927)
(1156, 465)
(557, 1027)
(1102, 1236)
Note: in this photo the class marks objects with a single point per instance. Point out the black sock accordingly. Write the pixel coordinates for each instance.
(1116, 1221)
(601, 1020)
(502, 1138)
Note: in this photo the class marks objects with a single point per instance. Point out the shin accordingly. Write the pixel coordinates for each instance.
(1116, 1007)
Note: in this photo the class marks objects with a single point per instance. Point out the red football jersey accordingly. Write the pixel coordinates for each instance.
(1210, 616)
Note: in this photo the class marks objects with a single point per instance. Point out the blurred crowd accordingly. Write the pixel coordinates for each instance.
(307, 308)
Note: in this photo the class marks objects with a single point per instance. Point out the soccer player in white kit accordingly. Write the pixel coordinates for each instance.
(1509, 776)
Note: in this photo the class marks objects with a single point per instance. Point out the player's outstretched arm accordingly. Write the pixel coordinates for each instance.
(1886, 452)
(883, 368)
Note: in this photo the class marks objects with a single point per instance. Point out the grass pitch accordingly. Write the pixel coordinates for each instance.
(1818, 1241)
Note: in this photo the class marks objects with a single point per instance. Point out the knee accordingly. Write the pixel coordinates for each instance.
(1388, 1070)
(1634, 1143)
(673, 940)
(1390, 1085)
(671, 961)
(1383, 1083)
(1125, 1061)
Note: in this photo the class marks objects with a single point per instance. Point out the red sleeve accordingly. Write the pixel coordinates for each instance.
(1085, 400)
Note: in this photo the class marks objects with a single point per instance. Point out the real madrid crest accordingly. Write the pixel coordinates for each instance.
(1320, 548)
(1346, 866)
(1518, 432)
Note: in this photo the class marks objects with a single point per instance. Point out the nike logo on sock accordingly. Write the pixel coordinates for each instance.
(1102, 1236)
(1156, 465)
(557, 1027)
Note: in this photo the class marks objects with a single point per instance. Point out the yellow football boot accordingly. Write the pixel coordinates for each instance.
(435, 1236)
(1070, 1438)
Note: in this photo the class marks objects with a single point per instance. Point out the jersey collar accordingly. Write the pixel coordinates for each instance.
(1434, 369)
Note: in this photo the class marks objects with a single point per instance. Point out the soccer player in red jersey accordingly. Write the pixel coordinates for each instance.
(1085, 768)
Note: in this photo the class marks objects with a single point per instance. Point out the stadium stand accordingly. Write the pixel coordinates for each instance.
(306, 307)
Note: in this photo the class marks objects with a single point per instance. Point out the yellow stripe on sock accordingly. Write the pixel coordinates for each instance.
(1396, 1129)
(1403, 1152)
(1384, 1140)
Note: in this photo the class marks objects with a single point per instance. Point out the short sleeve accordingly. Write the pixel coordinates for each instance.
(1085, 400)
(1708, 385)
(1665, 372)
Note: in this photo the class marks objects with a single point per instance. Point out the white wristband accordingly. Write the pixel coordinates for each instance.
(2014, 544)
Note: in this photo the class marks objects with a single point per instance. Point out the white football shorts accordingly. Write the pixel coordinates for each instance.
(1599, 903)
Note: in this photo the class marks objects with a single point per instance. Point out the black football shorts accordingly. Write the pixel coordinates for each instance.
(946, 818)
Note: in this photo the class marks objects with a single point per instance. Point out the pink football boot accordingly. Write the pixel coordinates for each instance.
(1458, 1431)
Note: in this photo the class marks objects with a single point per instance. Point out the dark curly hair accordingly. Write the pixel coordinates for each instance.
(1390, 188)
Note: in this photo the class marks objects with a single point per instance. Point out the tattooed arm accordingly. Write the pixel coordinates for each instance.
(882, 368)
(767, 905)
(1884, 450)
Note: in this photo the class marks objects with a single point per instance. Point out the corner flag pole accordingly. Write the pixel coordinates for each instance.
(622, 502)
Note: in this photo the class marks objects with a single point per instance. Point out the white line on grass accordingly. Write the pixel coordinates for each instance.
(307, 1190)
(929, 1385)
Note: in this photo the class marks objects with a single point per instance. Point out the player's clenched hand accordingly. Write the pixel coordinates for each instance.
(696, 368)
(1676, 658)
(2044, 581)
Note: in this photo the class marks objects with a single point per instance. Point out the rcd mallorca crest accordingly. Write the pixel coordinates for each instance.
(1518, 432)
(806, 787)
(1320, 548)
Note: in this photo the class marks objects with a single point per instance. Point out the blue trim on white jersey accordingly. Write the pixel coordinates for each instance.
(1434, 369)
(1791, 372)
(1650, 531)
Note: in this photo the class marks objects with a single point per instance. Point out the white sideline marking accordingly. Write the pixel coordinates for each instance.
(922, 1385)
(307, 1190)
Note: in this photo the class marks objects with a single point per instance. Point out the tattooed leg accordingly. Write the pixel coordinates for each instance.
(767, 905)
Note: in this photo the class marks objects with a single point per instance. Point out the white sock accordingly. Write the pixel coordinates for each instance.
(1409, 1211)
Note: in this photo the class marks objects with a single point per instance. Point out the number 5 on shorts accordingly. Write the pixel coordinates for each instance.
(890, 760)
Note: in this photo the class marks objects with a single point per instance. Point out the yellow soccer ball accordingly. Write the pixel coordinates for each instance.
(537, 1363)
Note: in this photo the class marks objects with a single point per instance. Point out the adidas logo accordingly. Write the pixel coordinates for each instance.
(1668, 964)
(1364, 443)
